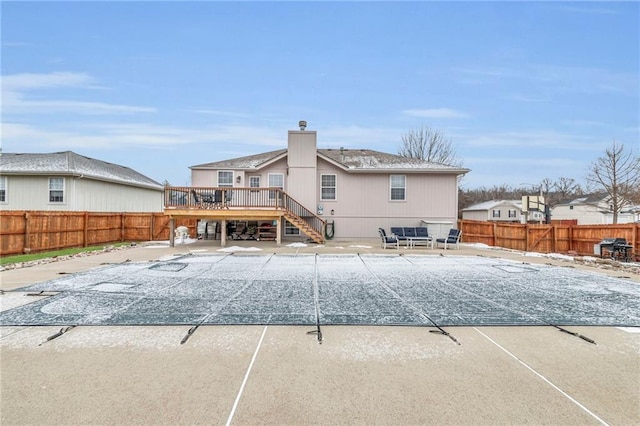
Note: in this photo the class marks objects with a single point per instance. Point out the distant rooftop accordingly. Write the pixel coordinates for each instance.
(491, 204)
(70, 163)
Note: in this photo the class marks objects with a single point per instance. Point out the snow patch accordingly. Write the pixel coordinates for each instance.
(236, 248)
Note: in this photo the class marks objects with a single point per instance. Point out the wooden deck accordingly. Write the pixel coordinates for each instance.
(255, 204)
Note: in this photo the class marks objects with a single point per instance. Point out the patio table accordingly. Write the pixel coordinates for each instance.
(411, 241)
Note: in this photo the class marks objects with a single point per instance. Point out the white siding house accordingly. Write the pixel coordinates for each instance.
(495, 211)
(66, 181)
(357, 190)
(594, 209)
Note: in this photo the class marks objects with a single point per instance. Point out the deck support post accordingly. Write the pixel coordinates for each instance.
(172, 232)
(223, 233)
(279, 231)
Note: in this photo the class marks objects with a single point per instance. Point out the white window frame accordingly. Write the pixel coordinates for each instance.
(495, 213)
(222, 184)
(254, 181)
(3, 189)
(513, 213)
(333, 187)
(272, 194)
(396, 186)
(52, 189)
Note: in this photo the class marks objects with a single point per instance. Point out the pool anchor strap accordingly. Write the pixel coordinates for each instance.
(573, 333)
(189, 333)
(59, 333)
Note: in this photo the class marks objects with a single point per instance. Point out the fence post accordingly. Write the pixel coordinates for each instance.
(495, 232)
(122, 227)
(151, 225)
(526, 237)
(27, 235)
(85, 230)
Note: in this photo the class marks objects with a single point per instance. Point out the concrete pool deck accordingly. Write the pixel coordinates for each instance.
(248, 375)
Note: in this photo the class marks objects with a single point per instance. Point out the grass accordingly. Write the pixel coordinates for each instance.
(44, 255)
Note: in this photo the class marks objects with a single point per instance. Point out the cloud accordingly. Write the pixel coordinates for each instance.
(545, 80)
(589, 10)
(15, 100)
(116, 136)
(435, 113)
(30, 81)
(538, 139)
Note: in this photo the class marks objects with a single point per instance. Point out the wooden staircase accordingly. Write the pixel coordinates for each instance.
(316, 235)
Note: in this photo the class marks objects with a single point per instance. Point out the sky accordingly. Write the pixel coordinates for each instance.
(525, 91)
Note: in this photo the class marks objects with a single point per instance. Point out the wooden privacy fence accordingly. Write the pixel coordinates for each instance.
(553, 238)
(36, 231)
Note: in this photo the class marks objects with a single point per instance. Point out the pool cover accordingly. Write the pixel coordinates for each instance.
(415, 290)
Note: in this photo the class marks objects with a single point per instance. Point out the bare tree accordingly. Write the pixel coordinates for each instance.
(428, 144)
(618, 174)
(560, 190)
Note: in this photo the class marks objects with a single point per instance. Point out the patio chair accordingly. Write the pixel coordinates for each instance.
(388, 240)
(398, 232)
(452, 239)
(228, 194)
(217, 198)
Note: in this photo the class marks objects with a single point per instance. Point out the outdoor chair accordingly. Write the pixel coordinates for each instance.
(388, 240)
(227, 197)
(398, 232)
(197, 201)
(452, 239)
(217, 198)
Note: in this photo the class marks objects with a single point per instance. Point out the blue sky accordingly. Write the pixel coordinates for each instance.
(525, 90)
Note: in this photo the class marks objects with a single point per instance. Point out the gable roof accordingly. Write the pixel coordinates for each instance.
(69, 163)
(353, 160)
(492, 204)
(589, 199)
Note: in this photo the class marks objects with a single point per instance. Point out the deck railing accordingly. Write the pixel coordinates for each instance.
(194, 197)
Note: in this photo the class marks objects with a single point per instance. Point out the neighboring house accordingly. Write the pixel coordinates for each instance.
(495, 211)
(593, 209)
(355, 190)
(66, 181)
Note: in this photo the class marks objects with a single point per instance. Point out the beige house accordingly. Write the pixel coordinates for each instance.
(495, 211)
(353, 191)
(593, 209)
(66, 181)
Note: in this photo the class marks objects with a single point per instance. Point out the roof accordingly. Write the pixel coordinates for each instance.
(492, 204)
(590, 199)
(249, 162)
(70, 163)
(348, 159)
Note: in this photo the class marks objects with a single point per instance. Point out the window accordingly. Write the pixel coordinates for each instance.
(327, 187)
(276, 180)
(512, 213)
(3, 189)
(254, 181)
(225, 178)
(290, 229)
(56, 190)
(398, 187)
(495, 213)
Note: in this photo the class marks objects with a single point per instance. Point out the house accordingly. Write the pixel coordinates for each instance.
(593, 209)
(350, 192)
(66, 181)
(495, 211)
